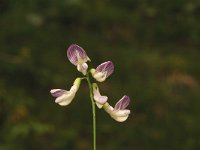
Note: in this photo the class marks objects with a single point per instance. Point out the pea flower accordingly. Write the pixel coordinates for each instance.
(119, 112)
(99, 99)
(78, 57)
(64, 97)
(103, 71)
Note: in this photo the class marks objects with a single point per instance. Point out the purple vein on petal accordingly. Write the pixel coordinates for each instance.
(122, 103)
(106, 67)
(109, 68)
(57, 92)
(72, 52)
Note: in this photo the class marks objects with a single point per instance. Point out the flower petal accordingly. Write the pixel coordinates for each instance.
(100, 76)
(119, 118)
(57, 92)
(121, 113)
(76, 54)
(103, 71)
(65, 97)
(107, 67)
(118, 115)
(82, 68)
(122, 103)
(109, 109)
(99, 99)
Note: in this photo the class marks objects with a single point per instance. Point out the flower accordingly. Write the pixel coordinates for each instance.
(99, 99)
(103, 71)
(119, 112)
(64, 97)
(78, 57)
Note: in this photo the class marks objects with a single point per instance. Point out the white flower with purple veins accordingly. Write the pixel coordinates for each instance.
(99, 99)
(103, 71)
(119, 112)
(78, 57)
(64, 97)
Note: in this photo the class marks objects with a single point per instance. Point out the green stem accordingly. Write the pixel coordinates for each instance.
(93, 111)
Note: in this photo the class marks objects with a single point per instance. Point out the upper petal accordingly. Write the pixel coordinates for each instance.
(57, 92)
(122, 103)
(107, 67)
(76, 54)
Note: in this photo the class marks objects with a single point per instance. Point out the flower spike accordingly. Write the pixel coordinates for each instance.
(119, 112)
(64, 97)
(103, 71)
(78, 57)
(99, 99)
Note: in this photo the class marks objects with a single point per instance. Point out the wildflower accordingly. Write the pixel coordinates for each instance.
(99, 99)
(64, 97)
(78, 57)
(119, 112)
(103, 71)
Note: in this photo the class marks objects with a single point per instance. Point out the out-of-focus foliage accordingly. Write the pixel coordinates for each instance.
(154, 46)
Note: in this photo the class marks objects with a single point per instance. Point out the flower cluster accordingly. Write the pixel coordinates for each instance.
(78, 57)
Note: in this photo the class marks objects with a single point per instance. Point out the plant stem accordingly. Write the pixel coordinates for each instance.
(93, 111)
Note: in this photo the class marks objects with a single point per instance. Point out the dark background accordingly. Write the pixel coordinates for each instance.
(155, 46)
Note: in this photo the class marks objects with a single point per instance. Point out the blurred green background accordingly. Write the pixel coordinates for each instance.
(155, 46)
